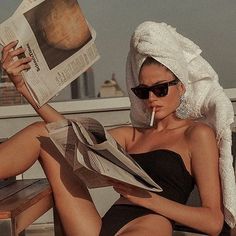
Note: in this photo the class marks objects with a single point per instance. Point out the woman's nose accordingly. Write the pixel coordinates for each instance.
(152, 96)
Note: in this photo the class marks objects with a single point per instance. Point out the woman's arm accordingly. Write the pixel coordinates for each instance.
(204, 156)
(14, 69)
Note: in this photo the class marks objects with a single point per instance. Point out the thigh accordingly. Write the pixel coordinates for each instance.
(20, 151)
(127, 218)
(120, 215)
(152, 224)
(73, 201)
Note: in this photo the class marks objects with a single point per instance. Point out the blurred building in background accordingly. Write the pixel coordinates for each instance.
(110, 88)
(8, 93)
(81, 88)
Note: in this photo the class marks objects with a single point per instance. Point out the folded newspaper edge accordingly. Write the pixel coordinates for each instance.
(95, 156)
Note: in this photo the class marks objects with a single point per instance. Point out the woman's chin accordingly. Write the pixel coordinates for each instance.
(160, 115)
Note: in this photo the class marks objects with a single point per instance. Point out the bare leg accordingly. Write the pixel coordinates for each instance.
(74, 204)
(76, 209)
(19, 152)
(147, 225)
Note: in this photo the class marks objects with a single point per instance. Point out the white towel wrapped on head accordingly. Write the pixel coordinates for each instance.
(204, 95)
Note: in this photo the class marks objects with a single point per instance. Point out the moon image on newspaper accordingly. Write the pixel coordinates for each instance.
(60, 29)
(63, 24)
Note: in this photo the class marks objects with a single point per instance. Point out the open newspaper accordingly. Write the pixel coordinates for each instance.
(59, 39)
(95, 156)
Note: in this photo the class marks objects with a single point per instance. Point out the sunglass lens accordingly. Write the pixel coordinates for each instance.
(160, 90)
(141, 93)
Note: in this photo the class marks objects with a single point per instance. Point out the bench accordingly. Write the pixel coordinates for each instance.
(22, 202)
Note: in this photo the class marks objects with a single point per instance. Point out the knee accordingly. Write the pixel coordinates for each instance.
(38, 124)
(39, 128)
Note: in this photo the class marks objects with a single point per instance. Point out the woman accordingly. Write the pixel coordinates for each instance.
(174, 151)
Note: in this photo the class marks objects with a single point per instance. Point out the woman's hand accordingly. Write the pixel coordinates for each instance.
(134, 194)
(13, 63)
(14, 67)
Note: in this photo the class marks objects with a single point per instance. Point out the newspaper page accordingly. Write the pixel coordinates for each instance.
(95, 156)
(57, 36)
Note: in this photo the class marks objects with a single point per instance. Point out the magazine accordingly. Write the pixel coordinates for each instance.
(59, 39)
(95, 156)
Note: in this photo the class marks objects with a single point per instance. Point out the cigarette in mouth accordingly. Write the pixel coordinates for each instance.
(152, 117)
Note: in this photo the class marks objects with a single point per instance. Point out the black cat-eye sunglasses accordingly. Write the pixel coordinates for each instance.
(160, 90)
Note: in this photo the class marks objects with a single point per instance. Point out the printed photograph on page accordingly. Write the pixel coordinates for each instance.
(60, 29)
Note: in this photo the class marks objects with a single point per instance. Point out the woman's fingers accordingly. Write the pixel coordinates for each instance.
(14, 62)
(13, 71)
(10, 55)
(22, 61)
(16, 52)
(15, 68)
(130, 192)
(7, 49)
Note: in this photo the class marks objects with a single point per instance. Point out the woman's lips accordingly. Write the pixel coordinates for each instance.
(157, 108)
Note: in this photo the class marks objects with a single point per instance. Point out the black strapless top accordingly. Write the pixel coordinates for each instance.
(167, 169)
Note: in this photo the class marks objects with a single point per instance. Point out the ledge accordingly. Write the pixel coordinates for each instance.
(69, 107)
(231, 93)
(82, 106)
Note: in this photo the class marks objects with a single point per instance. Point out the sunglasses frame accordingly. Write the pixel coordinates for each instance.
(142, 91)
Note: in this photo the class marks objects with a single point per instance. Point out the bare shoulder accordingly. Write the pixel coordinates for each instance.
(201, 140)
(200, 131)
(121, 131)
(122, 134)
